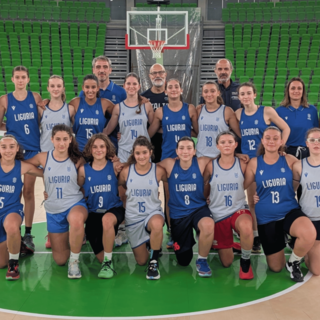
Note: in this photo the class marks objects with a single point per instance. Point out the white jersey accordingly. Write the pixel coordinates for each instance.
(142, 195)
(132, 125)
(210, 125)
(49, 119)
(310, 183)
(60, 181)
(227, 193)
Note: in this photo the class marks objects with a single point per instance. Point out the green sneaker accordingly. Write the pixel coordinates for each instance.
(107, 270)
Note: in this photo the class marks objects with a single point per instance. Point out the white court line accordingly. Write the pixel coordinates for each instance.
(294, 287)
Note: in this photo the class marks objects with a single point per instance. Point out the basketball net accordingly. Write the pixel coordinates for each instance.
(156, 46)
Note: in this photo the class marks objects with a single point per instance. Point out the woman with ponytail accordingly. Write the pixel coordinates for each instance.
(132, 115)
(65, 206)
(213, 117)
(90, 111)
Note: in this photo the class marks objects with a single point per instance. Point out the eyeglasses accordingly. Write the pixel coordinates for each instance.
(313, 140)
(154, 73)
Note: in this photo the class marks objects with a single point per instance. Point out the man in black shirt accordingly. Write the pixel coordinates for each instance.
(157, 97)
(228, 88)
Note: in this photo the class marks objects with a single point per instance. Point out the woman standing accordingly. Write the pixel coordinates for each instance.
(90, 111)
(254, 120)
(277, 210)
(65, 206)
(144, 216)
(23, 117)
(11, 210)
(99, 180)
(213, 117)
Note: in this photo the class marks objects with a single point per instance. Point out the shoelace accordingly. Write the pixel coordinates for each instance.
(107, 264)
(12, 267)
(296, 268)
(153, 266)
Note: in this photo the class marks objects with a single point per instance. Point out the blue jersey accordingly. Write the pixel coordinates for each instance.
(175, 125)
(10, 189)
(299, 121)
(252, 128)
(275, 190)
(22, 121)
(101, 188)
(88, 121)
(115, 94)
(186, 190)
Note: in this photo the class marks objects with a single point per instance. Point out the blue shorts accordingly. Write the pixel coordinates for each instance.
(58, 222)
(17, 209)
(27, 154)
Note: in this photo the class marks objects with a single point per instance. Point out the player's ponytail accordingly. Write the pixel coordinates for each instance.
(143, 142)
(140, 99)
(73, 150)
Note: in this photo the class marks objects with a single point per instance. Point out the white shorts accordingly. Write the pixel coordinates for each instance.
(137, 231)
(123, 155)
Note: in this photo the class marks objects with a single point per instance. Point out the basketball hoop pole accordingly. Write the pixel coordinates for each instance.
(158, 33)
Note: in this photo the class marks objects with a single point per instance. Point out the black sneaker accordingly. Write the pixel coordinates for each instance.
(256, 248)
(153, 271)
(28, 241)
(295, 272)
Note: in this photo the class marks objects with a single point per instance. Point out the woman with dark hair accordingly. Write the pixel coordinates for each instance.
(132, 115)
(144, 216)
(23, 118)
(277, 210)
(213, 117)
(65, 205)
(178, 119)
(90, 111)
(188, 207)
(11, 209)
(98, 178)
(300, 117)
(224, 176)
(254, 120)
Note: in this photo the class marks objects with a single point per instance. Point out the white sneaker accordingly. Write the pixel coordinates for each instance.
(121, 238)
(74, 271)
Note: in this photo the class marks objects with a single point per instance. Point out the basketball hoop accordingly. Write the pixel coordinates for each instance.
(157, 47)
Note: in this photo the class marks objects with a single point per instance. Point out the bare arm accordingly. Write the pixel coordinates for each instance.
(194, 118)
(113, 120)
(81, 176)
(232, 121)
(206, 177)
(156, 123)
(296, 171)
(250, 173)
(39, 159)
(122, 178)
(75, 103)
(107, 105)
(161, 174)
(117, 167)
(27, 168)
(150, 112)
(273, 116)
(3, 110)
(167, 164)
(72, 112)
(202, 162)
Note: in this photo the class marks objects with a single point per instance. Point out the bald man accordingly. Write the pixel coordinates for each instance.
(157, 97)
(228, 88)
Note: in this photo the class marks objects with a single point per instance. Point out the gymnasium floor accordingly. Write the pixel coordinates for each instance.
(45, 291)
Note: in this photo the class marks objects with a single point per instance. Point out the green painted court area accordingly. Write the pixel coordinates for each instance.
(44, 287)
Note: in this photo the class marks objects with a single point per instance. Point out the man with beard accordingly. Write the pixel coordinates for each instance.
(102, 68)
(157, 97)
(223, 69)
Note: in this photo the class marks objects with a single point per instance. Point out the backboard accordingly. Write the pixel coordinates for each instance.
(168, 26)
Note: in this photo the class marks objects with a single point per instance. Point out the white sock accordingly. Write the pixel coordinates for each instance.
(255, 233)
(13, 256)
(294, 257)
(74, 256)
(200, 257)
(107, 255)
(245, 254)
